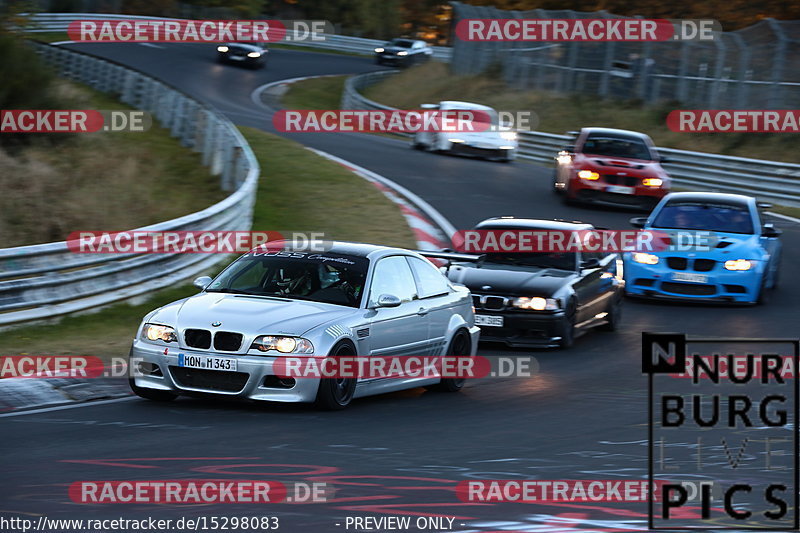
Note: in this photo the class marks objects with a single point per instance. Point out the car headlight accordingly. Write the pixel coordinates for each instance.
(652, 182)
(645, 259)
(739, 264)
(402, 53)
(536, 303)
(282, 344)
(590, 175)
(378, 50)
(456, 140)
(254, 54)
(508, 135)
(157, 332)
(222, 48)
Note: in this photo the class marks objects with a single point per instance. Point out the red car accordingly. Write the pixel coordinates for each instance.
(612, 167)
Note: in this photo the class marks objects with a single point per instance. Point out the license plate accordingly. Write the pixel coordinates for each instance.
(620, 189)
(207, 362)
(486, 320)
(237, 58)
(690, 277)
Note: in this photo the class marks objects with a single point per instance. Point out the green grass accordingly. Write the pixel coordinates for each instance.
(298, 191)
(559, 113)
(54, 185)
(315, 93)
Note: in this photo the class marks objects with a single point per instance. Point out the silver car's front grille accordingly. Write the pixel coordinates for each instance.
(224, 341)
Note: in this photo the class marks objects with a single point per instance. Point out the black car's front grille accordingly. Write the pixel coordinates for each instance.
(677, 263)
(494, 303)
(628, 181)
(197, 338)
(704, 265)
(691, 289)
(227, 341)
(214, 380)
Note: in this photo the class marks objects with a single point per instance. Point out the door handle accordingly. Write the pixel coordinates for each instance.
(422, 311)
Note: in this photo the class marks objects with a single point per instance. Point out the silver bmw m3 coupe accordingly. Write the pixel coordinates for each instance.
(351, 300)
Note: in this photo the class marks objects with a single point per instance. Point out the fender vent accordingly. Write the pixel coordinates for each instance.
(362, 333)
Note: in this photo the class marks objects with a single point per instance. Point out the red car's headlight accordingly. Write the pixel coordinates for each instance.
(590, 175)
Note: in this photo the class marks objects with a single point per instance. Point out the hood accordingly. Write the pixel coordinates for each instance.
(511, 280)
(248, 315)
(717, 244)
(616, 165)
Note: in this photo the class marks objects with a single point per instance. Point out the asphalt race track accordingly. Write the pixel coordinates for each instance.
(584, 416)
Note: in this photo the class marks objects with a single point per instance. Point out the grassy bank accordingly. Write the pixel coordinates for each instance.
(97, 181)
(299, 191)
(433, 82)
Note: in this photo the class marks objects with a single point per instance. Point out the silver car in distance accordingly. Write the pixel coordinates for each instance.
(351, 300)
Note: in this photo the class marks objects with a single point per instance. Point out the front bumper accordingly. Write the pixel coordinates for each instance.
(525, 328)
(248, 382)
(486, 152)
(657, 281)
(598, 192)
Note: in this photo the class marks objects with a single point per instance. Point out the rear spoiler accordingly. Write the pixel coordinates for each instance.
(451, 256)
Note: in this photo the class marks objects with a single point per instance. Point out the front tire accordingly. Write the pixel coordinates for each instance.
(460, 345)
(568, 334)
(335, 394)
(614, 315)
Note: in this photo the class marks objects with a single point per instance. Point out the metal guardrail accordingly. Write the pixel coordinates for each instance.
(47, 280)
(55, 22)
(768, 180)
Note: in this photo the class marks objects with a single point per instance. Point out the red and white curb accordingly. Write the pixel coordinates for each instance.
(431, 230)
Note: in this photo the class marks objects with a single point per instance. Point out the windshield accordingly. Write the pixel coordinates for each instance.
(617, 147)
(559, 260)
(402, 43)
(319, 277)
(724, 217)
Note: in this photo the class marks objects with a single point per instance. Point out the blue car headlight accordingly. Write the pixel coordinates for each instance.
(644, 258)
(739, 264)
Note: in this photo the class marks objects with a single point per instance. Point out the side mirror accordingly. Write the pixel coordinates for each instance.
(638, 222)
(202, 282)
(388, 300)
(770, 231)
(664, 159)
(590, 263)
(429, 106)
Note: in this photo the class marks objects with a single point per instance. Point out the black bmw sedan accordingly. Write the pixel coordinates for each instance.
(541, 298)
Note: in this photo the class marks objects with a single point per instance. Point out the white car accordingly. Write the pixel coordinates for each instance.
(352, 300)
(497, 142)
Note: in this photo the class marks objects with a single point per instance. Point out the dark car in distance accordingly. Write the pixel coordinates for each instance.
(252, 55)
(403, 52)
(541, 299)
